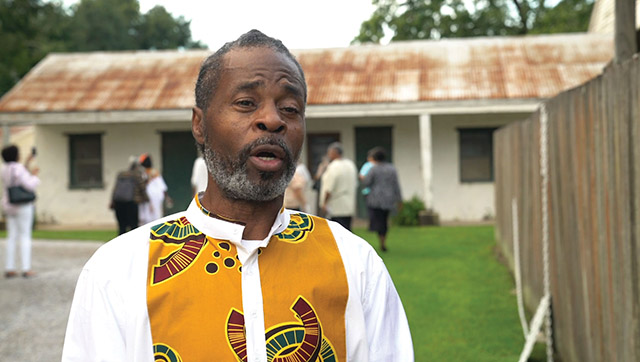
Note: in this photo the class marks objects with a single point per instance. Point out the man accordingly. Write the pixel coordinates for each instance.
(128, 193)
(338, 187)
(236, 277)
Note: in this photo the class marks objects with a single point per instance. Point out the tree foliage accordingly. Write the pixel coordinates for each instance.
(30, 29)
(434, 19)
(105, 25)
(160, 30)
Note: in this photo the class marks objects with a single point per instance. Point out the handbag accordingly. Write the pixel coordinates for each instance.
(19, 195)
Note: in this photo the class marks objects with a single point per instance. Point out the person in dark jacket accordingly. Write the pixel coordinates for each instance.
(128, 192)
(384, 194)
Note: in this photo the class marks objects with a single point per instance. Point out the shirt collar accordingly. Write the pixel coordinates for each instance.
(218, 228)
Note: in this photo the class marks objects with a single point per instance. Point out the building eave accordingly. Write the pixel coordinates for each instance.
(475, 106)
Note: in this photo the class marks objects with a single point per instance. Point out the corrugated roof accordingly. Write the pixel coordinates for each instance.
(453, 69)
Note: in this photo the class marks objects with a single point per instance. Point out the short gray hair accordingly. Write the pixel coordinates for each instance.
(211, 69)
(336, 146)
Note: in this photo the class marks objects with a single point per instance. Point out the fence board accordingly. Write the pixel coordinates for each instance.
(594, 213)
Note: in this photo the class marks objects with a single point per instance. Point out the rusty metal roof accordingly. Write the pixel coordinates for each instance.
(452, 69)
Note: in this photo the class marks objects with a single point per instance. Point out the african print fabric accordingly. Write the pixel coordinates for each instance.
(194, 294)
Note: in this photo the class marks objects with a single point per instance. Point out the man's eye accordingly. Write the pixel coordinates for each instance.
(244, 103)
(292, 110)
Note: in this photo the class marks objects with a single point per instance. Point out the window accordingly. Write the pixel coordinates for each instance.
(476, 154)
(317, 144)
(85, 152)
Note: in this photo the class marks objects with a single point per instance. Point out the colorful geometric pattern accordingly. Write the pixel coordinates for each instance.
(178, 231)
(222, 257)
(189, 272)
(300, 225)
(164, 353)
(286, 342)
(235, 334)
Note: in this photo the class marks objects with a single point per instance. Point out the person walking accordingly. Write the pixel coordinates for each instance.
(19, 214)
(338, 187)
(128, 192)
(156, 192)
(384, 193)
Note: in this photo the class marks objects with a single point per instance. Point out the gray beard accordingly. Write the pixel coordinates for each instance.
(233, 180)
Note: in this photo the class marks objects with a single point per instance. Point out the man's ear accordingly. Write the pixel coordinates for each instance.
(197, 123)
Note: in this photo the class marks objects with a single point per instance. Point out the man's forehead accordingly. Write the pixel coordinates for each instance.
(259, 58)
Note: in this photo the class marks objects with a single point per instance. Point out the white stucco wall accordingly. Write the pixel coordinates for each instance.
(405, 142)
(452, 199)
(57, 203)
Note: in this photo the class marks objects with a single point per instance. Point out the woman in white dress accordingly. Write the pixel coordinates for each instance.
(156, 190)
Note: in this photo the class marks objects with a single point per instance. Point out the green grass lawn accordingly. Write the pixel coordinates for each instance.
(456, 294)
(90, 235)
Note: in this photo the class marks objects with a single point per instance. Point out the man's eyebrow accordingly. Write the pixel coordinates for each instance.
(249, 85)
(293, 89)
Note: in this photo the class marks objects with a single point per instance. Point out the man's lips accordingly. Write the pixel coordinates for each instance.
(267, 158)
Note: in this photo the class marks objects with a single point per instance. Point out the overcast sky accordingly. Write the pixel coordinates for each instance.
(299, 24)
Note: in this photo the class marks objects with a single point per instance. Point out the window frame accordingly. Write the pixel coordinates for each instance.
(476, 130)
(72, 184)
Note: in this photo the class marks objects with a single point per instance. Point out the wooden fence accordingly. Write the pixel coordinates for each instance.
(594, 213)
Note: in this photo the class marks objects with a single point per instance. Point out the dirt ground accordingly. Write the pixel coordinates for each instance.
(34, 312)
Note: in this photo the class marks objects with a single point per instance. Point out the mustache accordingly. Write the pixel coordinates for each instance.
(273, 141)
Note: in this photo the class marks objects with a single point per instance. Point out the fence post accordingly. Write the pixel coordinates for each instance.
(625, 29)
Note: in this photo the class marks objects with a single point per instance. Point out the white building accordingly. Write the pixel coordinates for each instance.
(432, 104)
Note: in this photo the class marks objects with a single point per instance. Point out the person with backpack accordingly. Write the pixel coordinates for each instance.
(128, 192)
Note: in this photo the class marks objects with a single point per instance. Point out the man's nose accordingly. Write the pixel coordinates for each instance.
(271, 120)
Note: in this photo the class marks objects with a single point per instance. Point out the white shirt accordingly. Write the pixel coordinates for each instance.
(109, 320)
(199, 175)
(153, 209)
(341, 180)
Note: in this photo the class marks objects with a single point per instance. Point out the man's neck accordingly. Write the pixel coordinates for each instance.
(258, 217)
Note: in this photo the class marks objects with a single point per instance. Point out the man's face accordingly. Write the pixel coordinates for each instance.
(254, 127)
(332, 154)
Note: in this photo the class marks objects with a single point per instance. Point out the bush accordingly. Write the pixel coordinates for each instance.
(409, 214)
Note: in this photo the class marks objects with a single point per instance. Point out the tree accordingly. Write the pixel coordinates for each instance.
(30, 29)
(566, 17)
(159, 30)
(105, 25)
(118, 25)
(434, 19)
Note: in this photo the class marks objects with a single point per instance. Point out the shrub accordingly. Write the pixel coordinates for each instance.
(408, 215)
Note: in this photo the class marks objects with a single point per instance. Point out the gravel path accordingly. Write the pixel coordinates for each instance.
(34, 312)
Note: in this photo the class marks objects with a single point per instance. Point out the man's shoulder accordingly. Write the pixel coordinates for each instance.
(349, 164)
